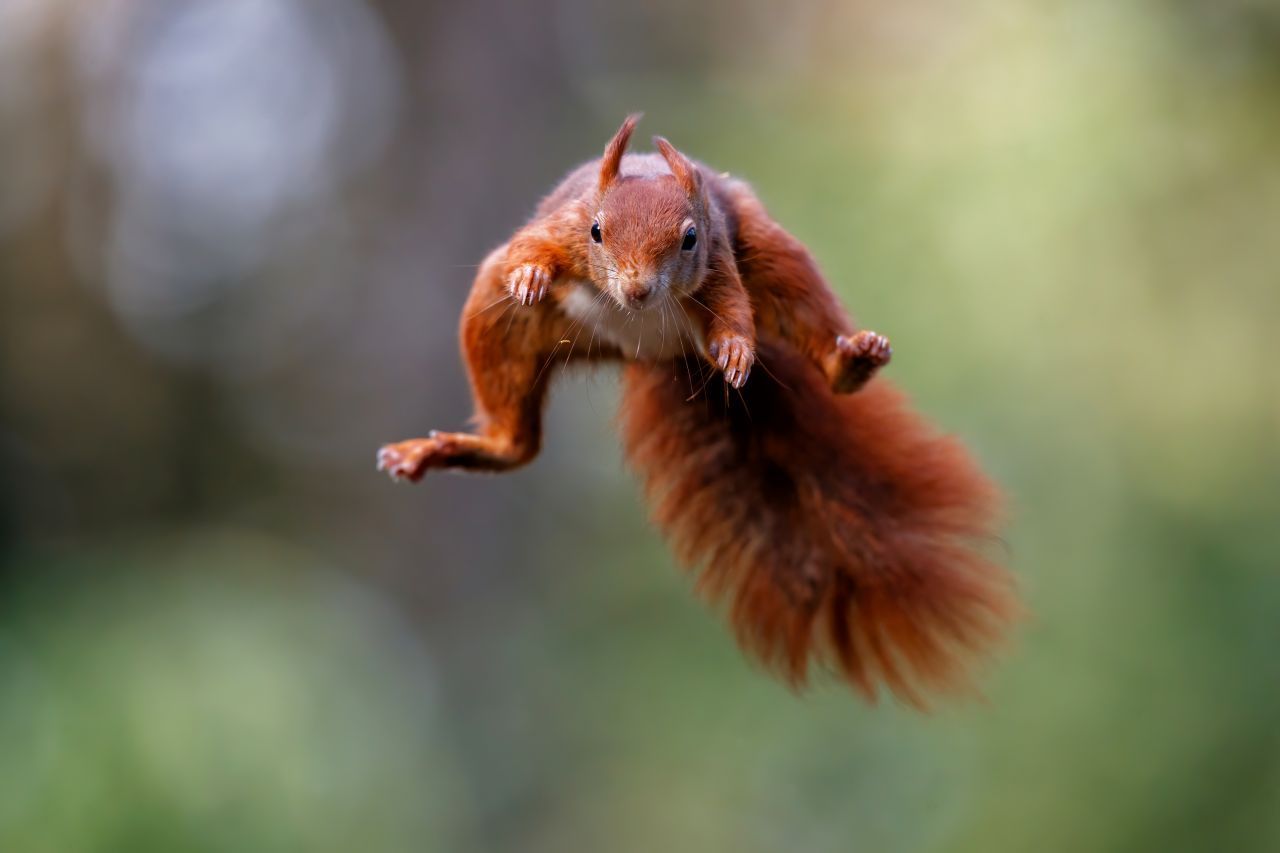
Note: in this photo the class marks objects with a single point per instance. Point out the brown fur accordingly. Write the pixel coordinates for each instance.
(840, 526)
(840, 530)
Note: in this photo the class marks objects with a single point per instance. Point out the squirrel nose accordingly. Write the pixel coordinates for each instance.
(637, 292)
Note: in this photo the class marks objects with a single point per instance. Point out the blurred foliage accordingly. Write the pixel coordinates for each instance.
(187, 698)
(234, 242)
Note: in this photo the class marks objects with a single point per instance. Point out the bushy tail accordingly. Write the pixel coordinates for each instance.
(841, 530)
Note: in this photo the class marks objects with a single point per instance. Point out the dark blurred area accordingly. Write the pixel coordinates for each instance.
(235, 239)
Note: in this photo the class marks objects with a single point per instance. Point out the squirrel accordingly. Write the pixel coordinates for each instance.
(841, 528)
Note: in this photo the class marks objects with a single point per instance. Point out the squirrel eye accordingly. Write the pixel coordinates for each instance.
(690, 239)
(595, 231)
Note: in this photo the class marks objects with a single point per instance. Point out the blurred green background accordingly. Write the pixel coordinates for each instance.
(235, 238)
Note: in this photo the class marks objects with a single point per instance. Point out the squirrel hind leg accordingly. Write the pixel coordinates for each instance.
(510, 354)
(410, 460)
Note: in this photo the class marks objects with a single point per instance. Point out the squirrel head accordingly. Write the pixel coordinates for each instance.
(649, 233)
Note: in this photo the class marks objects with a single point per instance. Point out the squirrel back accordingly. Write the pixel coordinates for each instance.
(841, 530)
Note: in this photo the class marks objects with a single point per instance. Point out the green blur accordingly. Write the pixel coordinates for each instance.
(220, 630)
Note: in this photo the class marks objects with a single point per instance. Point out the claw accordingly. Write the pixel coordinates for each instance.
(402, 466)
(393, 462)
(857, 358)
(734, 356)
(528, 283)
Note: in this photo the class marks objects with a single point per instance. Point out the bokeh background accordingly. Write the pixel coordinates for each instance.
(235, 238)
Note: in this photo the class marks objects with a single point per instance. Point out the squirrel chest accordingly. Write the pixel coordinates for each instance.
(662, 331)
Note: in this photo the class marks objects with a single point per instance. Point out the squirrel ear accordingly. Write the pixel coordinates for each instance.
(684, 170)
(613, 152)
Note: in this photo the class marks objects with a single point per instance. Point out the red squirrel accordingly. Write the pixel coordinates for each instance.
(839, 526)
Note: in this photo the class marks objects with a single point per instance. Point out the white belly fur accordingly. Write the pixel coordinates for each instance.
(657, 333)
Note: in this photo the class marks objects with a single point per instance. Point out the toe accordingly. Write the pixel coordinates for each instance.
(396, 463)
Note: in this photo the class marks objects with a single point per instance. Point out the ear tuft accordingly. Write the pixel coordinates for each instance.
(612, 160)
(681, 166)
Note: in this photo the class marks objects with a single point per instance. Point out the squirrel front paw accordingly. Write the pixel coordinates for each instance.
(528, 283)
(734, 355)
(856, 359)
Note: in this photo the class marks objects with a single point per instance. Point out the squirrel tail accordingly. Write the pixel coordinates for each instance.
(841, 530)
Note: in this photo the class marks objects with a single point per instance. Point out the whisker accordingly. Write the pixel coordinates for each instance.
(663, 342)
(704, 305)
(564, 338)
(760, 363)
(743, 400)
(547, 363)
(592, 313)
(701, 367)
(581, 325)
(510, 319)
(679, 311)
(503, 298)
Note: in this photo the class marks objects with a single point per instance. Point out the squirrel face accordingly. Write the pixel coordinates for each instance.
(646, 242)
(650, 231)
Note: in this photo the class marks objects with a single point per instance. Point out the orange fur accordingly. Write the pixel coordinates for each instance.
(840, 526)
(841, 530)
